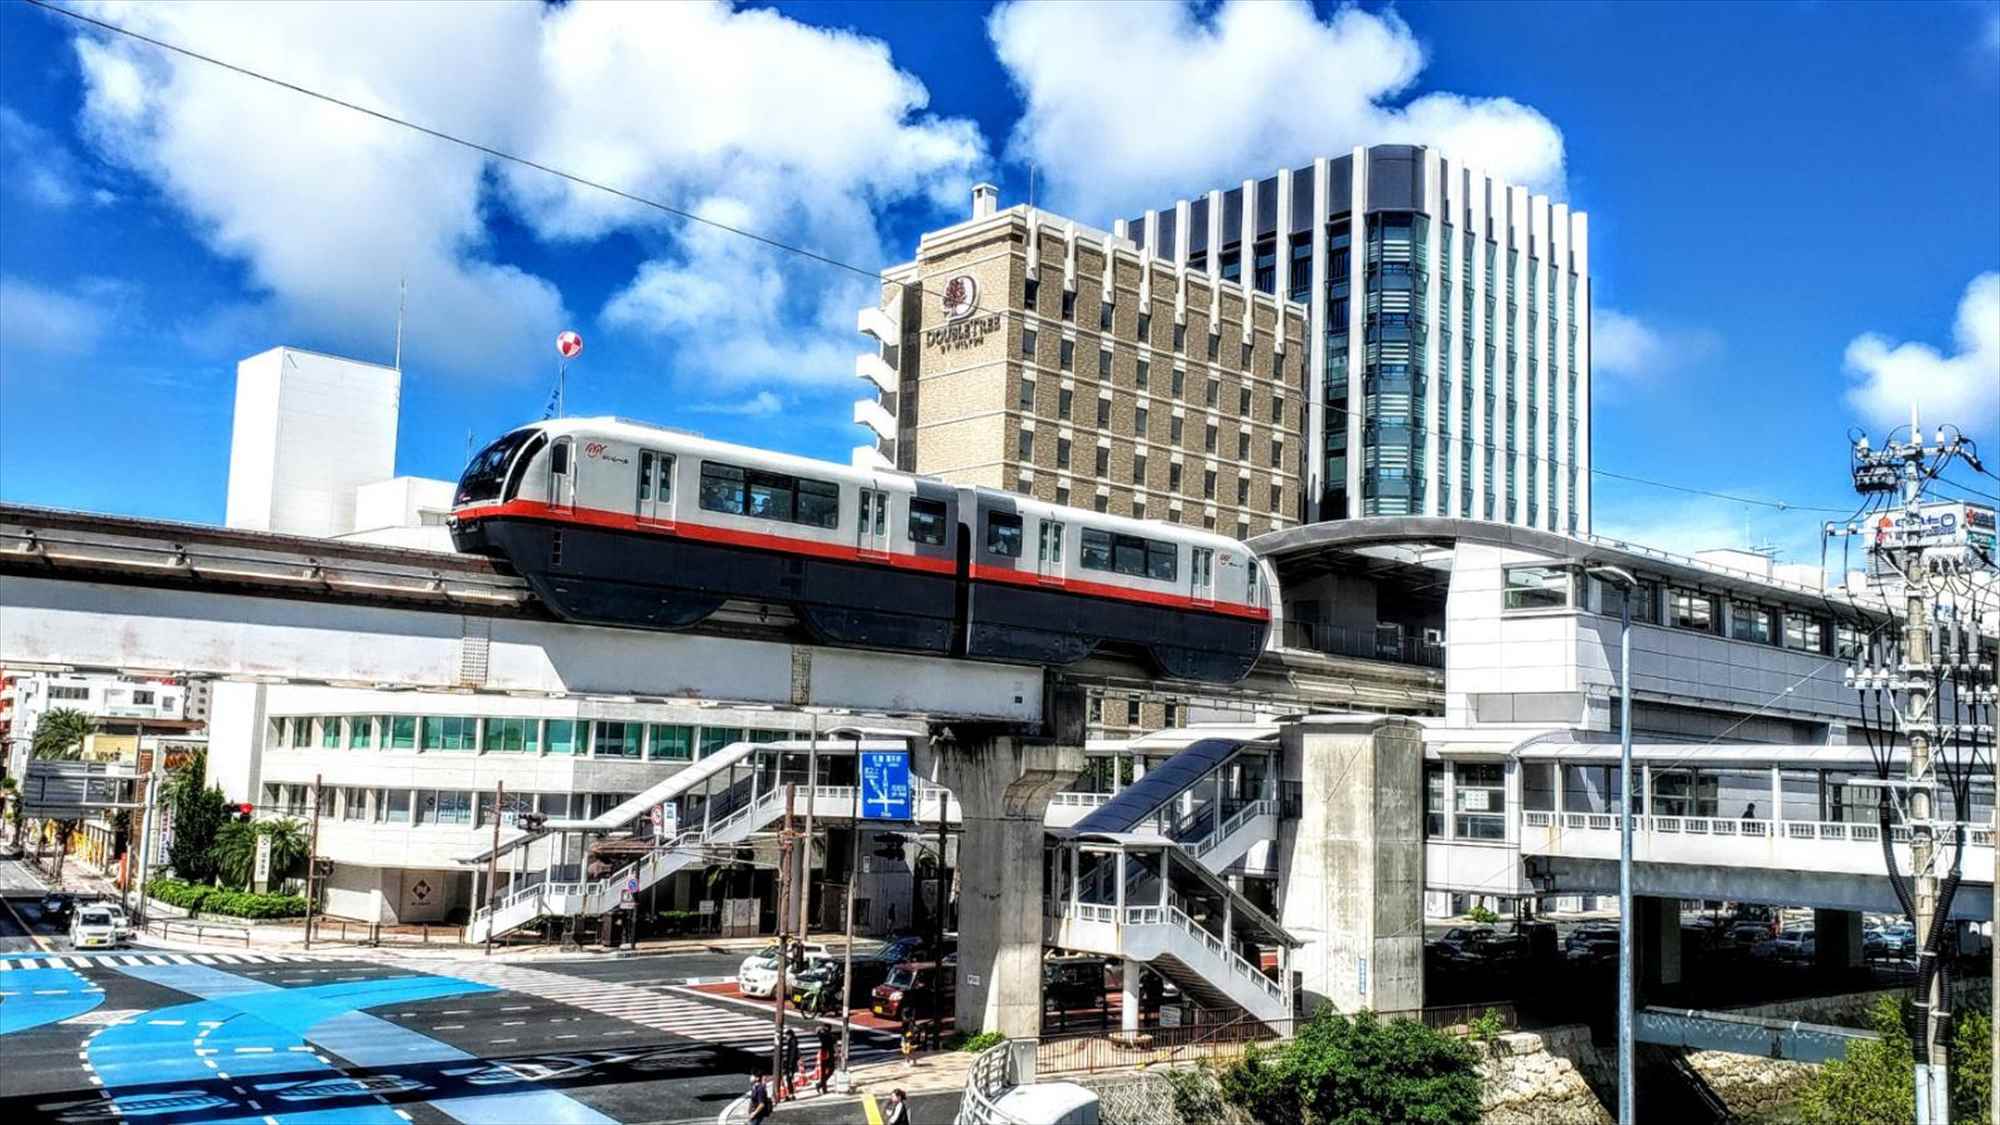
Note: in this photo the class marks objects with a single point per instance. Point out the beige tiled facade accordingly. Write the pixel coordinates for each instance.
(1197, 420)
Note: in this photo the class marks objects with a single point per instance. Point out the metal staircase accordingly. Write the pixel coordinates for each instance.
(1178, 948)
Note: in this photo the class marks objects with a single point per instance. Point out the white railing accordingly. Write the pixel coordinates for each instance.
(1080, 800)
(1827, 830)
(1234, 962)
(1533, 819)
(987, 1080)
(1249, 812)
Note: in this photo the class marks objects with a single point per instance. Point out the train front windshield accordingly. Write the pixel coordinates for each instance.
(486, 476)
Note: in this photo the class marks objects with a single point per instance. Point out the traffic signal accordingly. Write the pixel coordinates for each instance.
(243, 812)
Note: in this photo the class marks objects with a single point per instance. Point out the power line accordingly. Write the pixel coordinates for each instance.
(873, 274)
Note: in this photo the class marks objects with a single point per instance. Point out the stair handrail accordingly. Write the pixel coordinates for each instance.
(1262, 806)
(1232, 960)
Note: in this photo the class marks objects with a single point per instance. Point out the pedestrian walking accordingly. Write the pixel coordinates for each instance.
(899, 1109)
(828, 1044)
(789, 1057)
(760, 1101)
(909, 1045)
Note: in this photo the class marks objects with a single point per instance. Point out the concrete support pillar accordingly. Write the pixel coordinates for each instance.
(1128, 997)
(1836, 941)
(1658, 928)
(1003, 785)
(1352, 864)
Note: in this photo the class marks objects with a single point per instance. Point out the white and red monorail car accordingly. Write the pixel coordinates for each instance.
(620, 523)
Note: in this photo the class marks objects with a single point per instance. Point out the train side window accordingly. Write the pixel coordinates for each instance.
(645, 476)
(1096, 549)
(1162, 561)
(1128, 555)
(927, 521)
(769, 497)
(1003, 534)
(559, 458)
(819, 504)
(721, 488)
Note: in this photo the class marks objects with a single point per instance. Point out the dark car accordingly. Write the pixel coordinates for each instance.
(1072, 984)
(916, 990)
(57, 905)
(1459, 940)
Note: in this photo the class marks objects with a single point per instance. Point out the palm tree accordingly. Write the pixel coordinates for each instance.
(59, 736)
(236, 849)
(60, 733)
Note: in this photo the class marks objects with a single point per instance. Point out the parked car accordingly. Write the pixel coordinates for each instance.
(92, 928)
(1072, 983)
(56, 906)
(1789, 945)
(1458, 941)
(120, 920)
(916, 989)
(758, 974)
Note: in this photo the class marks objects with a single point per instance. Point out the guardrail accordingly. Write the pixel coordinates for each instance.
(1976, 835)
(201, 931)
(987, 1080)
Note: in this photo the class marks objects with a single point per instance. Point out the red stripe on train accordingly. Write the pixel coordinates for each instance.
(1086, 588)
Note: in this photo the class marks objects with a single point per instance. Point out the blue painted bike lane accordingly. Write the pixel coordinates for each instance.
(250, 1052)
(34, 997)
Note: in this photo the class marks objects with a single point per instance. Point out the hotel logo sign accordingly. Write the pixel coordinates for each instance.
(961, 296)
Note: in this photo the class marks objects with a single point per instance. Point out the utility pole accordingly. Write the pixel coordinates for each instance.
(812, 802)
(847, 955)
(493, 863)
(312, 860)
(148, 824)
(1924, 548)
(943, 889)
(785, 843)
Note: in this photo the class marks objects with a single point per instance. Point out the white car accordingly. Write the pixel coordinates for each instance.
(92, 928)
(758, 974)
(120, 921)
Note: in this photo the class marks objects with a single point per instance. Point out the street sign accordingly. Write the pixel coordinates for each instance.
(261, 876)
(885, 785)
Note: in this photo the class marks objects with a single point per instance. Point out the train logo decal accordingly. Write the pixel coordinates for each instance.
(961, 296)
(593, 449)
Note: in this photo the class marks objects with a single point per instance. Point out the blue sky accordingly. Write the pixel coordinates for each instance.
(1793, 207)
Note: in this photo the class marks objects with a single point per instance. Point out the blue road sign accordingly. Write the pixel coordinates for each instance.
(885, 785)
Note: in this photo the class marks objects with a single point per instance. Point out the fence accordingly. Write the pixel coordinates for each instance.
(355, 932)
(1391, 643)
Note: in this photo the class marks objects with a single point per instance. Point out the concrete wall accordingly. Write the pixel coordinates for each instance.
(1352, 864)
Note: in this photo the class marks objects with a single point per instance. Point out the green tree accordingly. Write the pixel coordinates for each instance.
(199, 812)
(1876, 1082)
(1358, 1070)
(236, 849)
(60, 733)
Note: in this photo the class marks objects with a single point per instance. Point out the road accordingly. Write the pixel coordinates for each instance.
(274, 1037)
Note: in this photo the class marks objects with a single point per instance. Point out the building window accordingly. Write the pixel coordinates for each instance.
(1243, 401)
(1434, 800)
(1069, 304)
(1103, 461)
(1751, 623)
(1028, 395)
(1031, 294)
(329, 730)
(1104, 365)
(560, 734)
(1180, 337)
(1537, 587)
(1138, 507)
(1243, 446)
(1174, 429)
(1277, 453)
(142, 698)
(1687, 609)
(1139, 468)
(1538, 786)
(450, 806)
(1208, 484)
(1104, 315)
(1479, 801)
(361, 732)
(1103, 503)
(615, 739)
(1028, 342)
(1848, 640)
(1246, 355)
(1062, 495)
(1062, 451)
(1065, 403)
(1180, 383)
(1066, 354)
(715, 740)
(1278, 411)
(670, 742)
(1146, 327)
(400, 732)
(1027, 445)
(513, 736)
(1208, 438)
(1214, 347)
(1103, 412)
(396, 809)
(1277, 497)
(1140, 420)
(1174, 477)
(1242, 491)
(1214, 396)
(1131, 712)
(1141, 373)
(68, 692)
(449, 732)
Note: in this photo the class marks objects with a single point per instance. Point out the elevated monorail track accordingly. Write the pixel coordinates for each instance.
(118, 593)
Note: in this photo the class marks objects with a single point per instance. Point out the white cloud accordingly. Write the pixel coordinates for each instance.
(1962, 388)
(1623, 346)
(38, 319)
(329, 208)
(760, 405)
(1134, 105)
(38, 164)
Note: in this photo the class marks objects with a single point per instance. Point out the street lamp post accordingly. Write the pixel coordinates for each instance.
(1627, 1100)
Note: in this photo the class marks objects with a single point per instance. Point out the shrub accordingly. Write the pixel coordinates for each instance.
(977, 1043)
(1487, 1026)
(1358, 1069)
(1482, 916)
(216, 900)
(175, 892)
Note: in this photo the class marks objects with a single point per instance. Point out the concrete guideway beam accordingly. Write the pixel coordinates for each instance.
(1003, 785)
(98, 626)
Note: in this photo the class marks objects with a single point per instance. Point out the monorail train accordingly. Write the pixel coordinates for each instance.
(615, 522)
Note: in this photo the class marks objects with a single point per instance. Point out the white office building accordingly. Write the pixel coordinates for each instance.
(1450, 329)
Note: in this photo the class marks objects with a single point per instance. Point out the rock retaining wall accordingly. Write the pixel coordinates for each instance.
(1530, 1078)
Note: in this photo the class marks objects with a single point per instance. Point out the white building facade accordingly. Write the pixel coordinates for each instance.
(1450, 329)
(130, 703)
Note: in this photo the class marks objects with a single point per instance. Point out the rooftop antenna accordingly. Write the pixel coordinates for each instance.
(402, 296)
(1031, 184)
